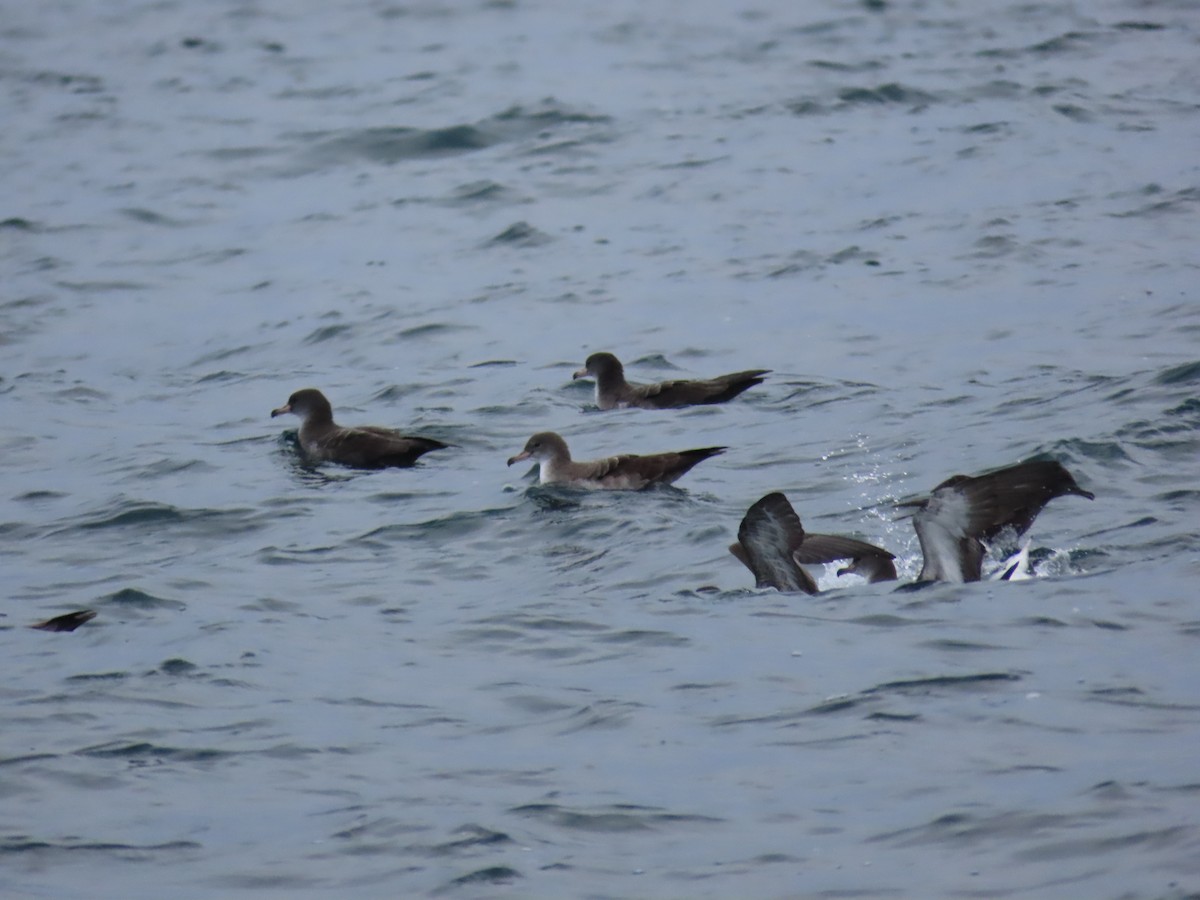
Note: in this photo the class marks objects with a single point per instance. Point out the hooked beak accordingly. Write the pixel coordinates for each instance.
(279, 412)
(524, 454)
(582, 373)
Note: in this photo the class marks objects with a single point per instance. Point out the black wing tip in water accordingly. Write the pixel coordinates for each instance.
(909, 587)
(67, 621)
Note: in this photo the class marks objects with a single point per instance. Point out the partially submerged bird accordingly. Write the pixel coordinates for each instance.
(67, 621)
(366, 446)
(774, 546)
(963, 513)
(627, 472)
(614, 392)
(953, 525)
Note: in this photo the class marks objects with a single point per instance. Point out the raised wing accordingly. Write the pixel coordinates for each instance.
(1013, 496)
(943, 523)
(964, 512)
(768, 538)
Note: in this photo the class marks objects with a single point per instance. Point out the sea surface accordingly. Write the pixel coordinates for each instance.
(960, 234)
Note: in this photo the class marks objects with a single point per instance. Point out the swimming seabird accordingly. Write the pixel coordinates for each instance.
(67, 621)
(614, 392)
(965, 512)
(627, 472)
(366, 446)
(773, 545)
(953, 524)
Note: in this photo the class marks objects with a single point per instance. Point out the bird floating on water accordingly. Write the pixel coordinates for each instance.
(614, 392)
(627, 472)
(366, 446)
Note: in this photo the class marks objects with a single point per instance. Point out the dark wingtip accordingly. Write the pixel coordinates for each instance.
(66, 622)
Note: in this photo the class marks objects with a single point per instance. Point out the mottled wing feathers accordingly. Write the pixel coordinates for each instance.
(632, 470)
(773, 545)
(373, 446)
(768, 538)
(668, 394)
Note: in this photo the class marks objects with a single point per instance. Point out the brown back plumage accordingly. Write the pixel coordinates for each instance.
(612, 390)
(367, 446)
(773, 545)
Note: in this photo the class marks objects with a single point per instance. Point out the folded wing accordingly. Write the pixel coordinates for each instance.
(668, 394)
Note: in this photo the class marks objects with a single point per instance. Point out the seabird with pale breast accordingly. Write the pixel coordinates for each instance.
(954, 525)
(628, 472)
(366, 446)
(963, 513)
(774, 546)
(614, 392)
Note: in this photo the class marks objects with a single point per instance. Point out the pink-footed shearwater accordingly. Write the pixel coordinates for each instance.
(773, 545)
(614, 392)
(953, 526)
(964, 512)
(627, 472)
(366, 446)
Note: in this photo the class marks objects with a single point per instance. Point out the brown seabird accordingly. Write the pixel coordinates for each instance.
(366, 446)
(965, 512)
(953, 525)
(773, 545)
(614, 392)
(627, 472)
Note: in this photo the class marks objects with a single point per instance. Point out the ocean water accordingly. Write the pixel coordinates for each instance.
(960, 235)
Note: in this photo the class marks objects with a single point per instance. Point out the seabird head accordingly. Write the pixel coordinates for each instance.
(307, 403)
(872, 566)
(542, 446)
(602, 367)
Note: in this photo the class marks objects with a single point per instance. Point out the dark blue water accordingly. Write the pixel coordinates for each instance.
(960, 237)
